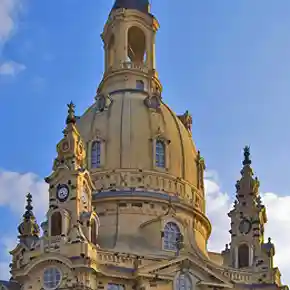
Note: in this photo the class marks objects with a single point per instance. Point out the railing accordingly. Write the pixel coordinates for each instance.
(237, 276)
(130, 66)
(134, 66)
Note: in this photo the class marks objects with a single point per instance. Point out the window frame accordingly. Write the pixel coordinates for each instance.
(98, 152)
(102, 153)
(165, 224)
(58, 282)
(166, 143)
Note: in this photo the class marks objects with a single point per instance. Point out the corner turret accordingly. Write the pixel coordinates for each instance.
(29, 228)
(247, 249)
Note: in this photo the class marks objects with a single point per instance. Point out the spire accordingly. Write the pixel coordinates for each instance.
(71, 118)
(247, 160)
(71, 149)
(141, 5)
(29, 226)
(28, 213)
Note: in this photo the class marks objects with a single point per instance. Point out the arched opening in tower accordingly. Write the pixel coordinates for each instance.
(136, 45)
(243, 256)
(56, 224)
(111, 51)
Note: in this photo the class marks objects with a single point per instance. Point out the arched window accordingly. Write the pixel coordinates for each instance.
(243, 256)
(140, 85)
(183, 282)
(171, 235)
(56, 224)
(160, 154)
(136, 45)
(96, 154)
(93, 232)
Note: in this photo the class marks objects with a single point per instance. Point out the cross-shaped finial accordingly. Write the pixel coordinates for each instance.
(71, 118)
(247, 160)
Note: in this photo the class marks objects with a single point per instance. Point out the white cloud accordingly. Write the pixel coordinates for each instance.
(8, 16)
(219, 204)
(18, 185)
(11, 68)
(8, 11)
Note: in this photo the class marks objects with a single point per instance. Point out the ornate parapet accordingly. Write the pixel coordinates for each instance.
(149, 181)
(237, 276)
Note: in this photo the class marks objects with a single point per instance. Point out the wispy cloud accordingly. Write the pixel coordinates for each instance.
(11, 68)
(8, 18)
(8, 12)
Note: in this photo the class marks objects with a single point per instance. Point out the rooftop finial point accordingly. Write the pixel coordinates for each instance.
(28, 213)
(71, 118)
(247, 160)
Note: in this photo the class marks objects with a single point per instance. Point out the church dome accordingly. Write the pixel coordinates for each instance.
(137, 133)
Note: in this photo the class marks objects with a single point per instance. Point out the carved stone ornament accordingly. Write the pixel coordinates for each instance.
(65, 146)
(152, 102)
(186, 120)
(103, 102)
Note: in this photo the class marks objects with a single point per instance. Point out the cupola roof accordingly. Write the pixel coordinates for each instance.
(141, 5)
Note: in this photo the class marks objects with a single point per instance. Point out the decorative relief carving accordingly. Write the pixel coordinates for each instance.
(186, 120)
(153, 102)
(103, 102)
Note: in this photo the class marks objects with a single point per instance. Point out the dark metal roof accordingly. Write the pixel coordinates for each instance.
(141, 5)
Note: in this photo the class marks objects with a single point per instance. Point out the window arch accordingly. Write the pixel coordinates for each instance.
(160, 154)
(56, 224)
(243, 256)
(96, 154)
(171, 234)
(93, 232)
(183, 282)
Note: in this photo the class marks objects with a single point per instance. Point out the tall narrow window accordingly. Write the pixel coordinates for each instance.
(243, 256)
(93, 232)
(160, 154)
(170, 236)
(96, 154)
(183, 282)
(56, 224)
(140, 85)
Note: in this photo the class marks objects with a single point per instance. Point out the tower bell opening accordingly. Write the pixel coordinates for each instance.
(136, 45)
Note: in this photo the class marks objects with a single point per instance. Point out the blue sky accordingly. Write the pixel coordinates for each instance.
(227, 62)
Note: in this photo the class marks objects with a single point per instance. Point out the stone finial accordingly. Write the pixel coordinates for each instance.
(28, 213)
(29, 226)
(71, 118)
(247, 160)
(186, 119)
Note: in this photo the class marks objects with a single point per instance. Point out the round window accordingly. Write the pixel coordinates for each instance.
(51, 278)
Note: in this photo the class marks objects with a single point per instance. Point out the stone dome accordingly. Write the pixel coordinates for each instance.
(128, 124)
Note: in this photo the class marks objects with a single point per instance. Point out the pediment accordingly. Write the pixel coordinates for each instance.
(169, 270)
